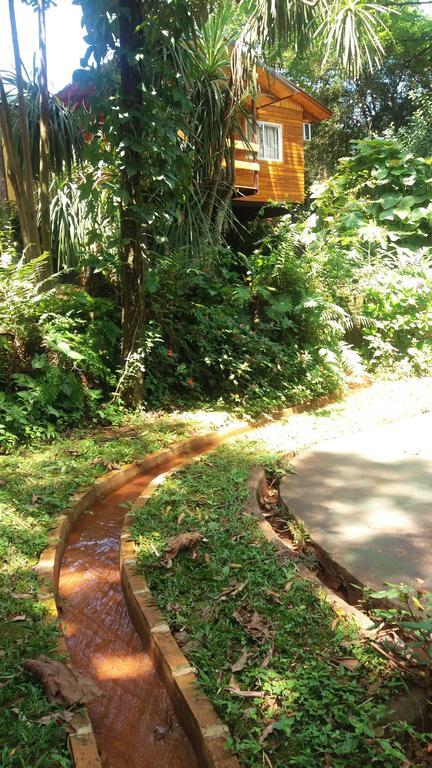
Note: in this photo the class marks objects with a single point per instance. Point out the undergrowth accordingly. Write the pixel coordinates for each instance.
(319, 690)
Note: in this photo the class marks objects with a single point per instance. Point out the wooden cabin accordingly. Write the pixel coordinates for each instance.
(270, 164)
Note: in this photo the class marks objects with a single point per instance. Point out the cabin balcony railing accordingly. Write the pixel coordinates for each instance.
(246, 180)
(246, 166)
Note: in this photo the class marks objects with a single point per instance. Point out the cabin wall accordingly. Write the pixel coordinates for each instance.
(280, 181)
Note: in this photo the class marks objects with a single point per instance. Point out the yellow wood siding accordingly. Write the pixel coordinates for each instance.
(280, 181)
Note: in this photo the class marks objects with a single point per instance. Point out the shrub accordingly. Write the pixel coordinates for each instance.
(58, 349)
(399, 300)
(255, 333)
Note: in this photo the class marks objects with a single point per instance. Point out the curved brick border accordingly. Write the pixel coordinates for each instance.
(82, 743)
(203, 728)
(256, 484)
(413, 706)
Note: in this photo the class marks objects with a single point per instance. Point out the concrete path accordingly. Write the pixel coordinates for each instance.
(367, 500)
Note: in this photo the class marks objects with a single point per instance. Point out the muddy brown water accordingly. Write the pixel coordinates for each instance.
(102, 643)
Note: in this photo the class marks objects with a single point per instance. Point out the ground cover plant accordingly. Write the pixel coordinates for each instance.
(290, 677)
(35, 486)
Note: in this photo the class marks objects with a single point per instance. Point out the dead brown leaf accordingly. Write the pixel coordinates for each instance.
(110, 465)
(267, 731)
(183, 541)
(191, 645)
(241, 661)
(234, 588)
(181, 637)
(235, 688)
(349, 663)
(22, 595)
(254, 624)
(21, 617)
(34, 499)
(180, 518)
(60, 682)
(65, 717)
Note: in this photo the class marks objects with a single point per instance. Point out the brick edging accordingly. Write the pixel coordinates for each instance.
(82, 743)
(256, 483)
(202, 726)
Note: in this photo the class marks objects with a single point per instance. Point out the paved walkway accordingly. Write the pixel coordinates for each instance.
(367, 500)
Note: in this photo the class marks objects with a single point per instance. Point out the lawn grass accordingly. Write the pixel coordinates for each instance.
(35, 486)
(322, 692)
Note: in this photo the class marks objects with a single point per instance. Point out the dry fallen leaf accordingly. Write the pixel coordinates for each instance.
(60, 682)
(234, 588)
(234, 688)
(241, 661)
(22, 595)
(180, 518)
(110, 465)
(254, 624)
(184, 541)
(181, 637)
(267, 731)
(267, 658)
(34, 499)
(66, 717)
(191, 645)
(348, 663)
(21, 617)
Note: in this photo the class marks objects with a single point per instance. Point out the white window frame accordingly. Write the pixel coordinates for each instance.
(280, 144)
(307, 131)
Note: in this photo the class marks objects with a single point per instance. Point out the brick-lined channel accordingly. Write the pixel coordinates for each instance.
(134, 724)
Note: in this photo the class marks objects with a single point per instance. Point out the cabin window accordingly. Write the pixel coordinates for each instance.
(307, 131)
(270, 141)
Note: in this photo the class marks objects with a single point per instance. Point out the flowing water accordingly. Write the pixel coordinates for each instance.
(103, 644)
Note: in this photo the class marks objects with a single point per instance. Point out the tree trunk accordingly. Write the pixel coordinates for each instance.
(212, 200)
(14, 170)
(44, 166)
(132, 247)
(34, 244)
(226, 189)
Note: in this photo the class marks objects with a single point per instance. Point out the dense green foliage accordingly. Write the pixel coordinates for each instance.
(283, 322)
(392, 98)
(57, 346)
(371, 229)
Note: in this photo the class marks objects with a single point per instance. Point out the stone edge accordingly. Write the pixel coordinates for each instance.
(203, 728)
(256, 484)
(82, 743)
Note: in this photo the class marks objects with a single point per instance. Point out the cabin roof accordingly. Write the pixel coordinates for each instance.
(282, 89)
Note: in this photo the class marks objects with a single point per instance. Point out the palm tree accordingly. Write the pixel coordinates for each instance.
(44, 163)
